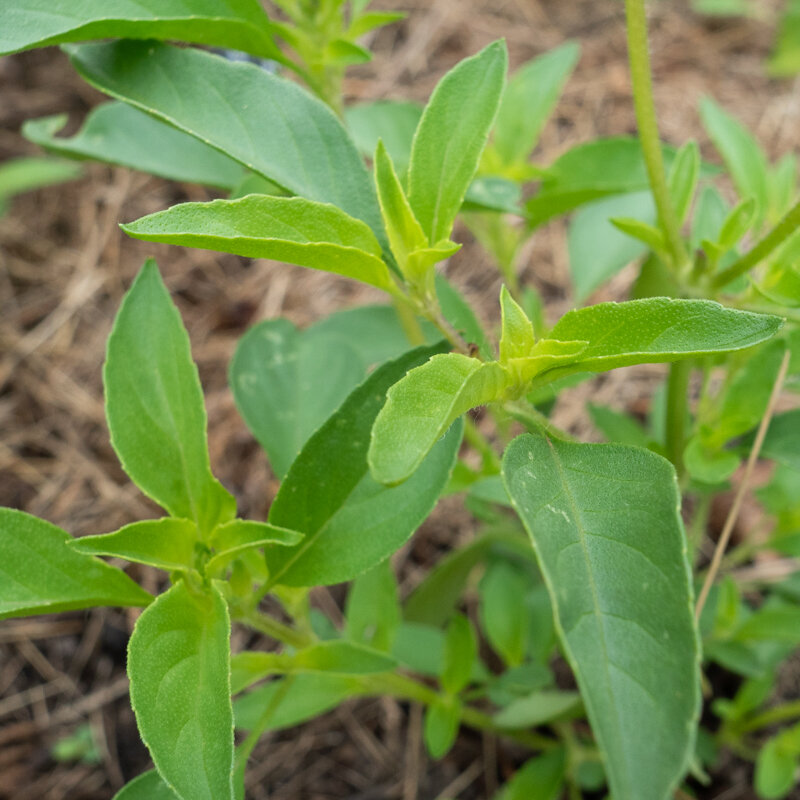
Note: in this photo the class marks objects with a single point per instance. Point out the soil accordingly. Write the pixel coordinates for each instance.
(64, 266)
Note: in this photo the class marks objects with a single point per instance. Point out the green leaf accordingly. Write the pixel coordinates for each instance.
(433, 600)
(460, 654)
(420, 648)
(392, 121)
(422, 406)
(147, 786)
(120, 134)
(708, 465)
(649, 235)
(657, 329)
(741, 153)
(290, 229)
(782, 442)
(736, 224)
(373, 609)
(776, 768)
(598, 250)
(460, 315)
(287, 382)
(235, 537)
(441, 726)
(26, 174)
(404, 231)
(154, 406)
(540, 778)
(536, 709)
(341, 51)
(683, 177)
(785, 57)
(605, 525)
(267, 123)
(617, 427)
(493, 193)
(709, 217)
(335, 657)
(179, 668)
(504, 615)
(351, 522)
(781, 285)
(528, 101)
(517, 338)
(374, 19)
(42, 574)
(166, 543)
(307, 696)
(450, 138)
(238, 24)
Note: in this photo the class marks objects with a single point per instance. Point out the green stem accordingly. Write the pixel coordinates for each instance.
(676, 412)
(276, 630)
(409, 322)
(641, 77)
(772, 716)
(491, 460)
(532, 418)
(774, 239)
(405, 688)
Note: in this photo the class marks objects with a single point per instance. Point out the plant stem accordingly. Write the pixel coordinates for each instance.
(642, 81)
(676, 412)
(727, 529)
(532, 418)
(276, 630)
(491, 460)
(774, 239)
(404, 688)
(772, 716)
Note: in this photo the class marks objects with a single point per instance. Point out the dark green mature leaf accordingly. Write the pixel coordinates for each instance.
(741, 153)
(238, 24)
(154, 406)
(120, 134)
(393, 121)
(351, 522)
(451, 136)
(528, 101)
(267, 123)
(422, 406)
(658, 329)
(290, 229)
(166, 543)
(598, 250)
(179, 667)
(41, 574)
(605, 525)
(287, 382)
(147, 786)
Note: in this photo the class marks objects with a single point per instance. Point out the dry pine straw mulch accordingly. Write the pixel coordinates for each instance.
(64, 266)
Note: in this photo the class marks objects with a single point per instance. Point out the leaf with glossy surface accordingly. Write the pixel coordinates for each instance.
(238, 24)
(147, 786)
(605, 525)
(658, 329)
(289, 229)
(422, 406)
(154, 406)
(351, 522)
(166, 543)
(450, 138)
(42, 574)
(287, 382)
(529, 99)
(179, 668)
(267, 123)
(117, 133)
